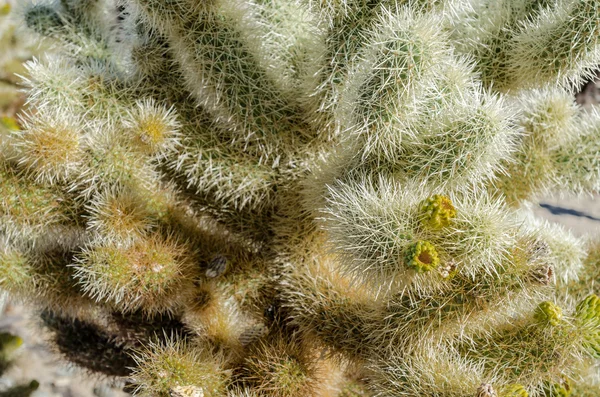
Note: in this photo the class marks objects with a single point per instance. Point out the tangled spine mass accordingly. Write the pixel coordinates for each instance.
(295, 198)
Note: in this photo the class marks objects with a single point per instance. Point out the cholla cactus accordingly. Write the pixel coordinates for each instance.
(16, 47)
(308, 198)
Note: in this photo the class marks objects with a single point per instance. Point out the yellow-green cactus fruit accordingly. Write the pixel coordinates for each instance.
(5, 9)
(9, 122)
(437, 211)
(422, 256)
(562, 389)
(514, 390)
(548, 312)
(9, 343)
(588, 314)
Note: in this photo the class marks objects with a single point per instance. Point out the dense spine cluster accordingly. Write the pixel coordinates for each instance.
(298, 198)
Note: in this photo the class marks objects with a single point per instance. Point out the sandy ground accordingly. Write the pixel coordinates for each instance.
(581, 214)
(35, 360)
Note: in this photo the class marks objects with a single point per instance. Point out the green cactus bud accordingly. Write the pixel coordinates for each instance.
(9, 123)
(5, 9)
(422, 256)
(514, 390)
(9, 343)
(562, 389)
(548, 312)
(437, 211)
